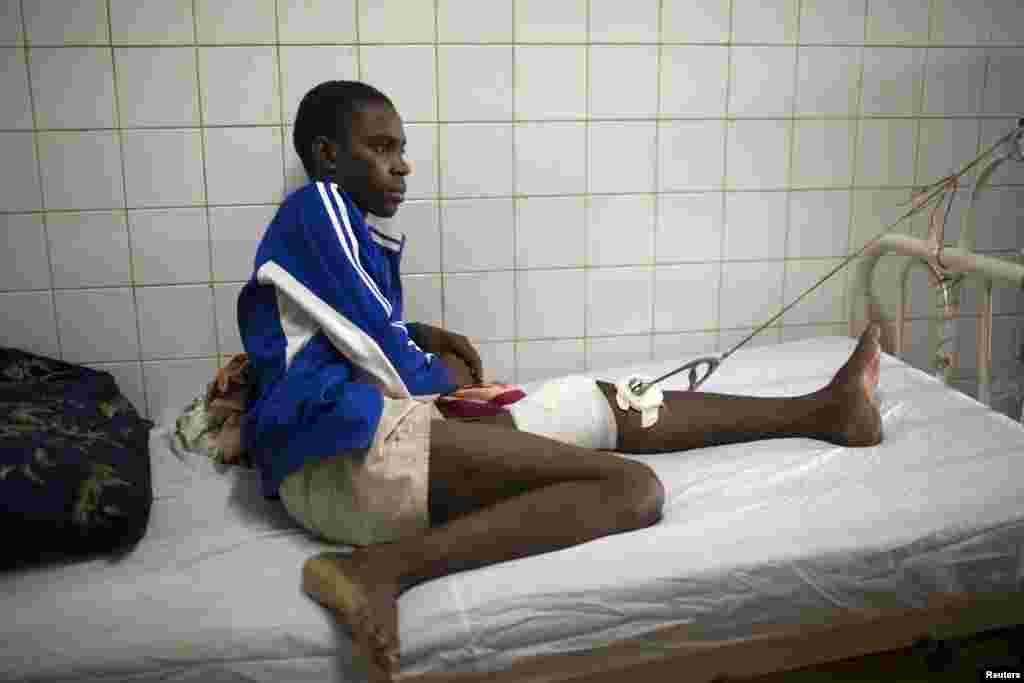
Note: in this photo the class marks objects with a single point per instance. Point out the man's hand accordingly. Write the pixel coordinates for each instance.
(454, 349)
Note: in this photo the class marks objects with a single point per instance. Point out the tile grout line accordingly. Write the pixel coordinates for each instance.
(790, 173)
(124, 208)
(855, 133)
(659, 65)
(725, 175)
(39, 176)
(587, 197)
(516, 204)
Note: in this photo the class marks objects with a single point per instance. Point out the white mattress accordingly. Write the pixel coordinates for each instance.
(751, 533)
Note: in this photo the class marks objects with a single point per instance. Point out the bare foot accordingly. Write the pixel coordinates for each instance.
(852, 390)
(361, 598)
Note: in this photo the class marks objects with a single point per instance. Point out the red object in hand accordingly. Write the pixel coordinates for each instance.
(480, 400)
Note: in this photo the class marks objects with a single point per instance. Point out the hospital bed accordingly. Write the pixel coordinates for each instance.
(771, 556)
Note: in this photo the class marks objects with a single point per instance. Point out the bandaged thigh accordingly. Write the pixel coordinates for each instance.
(572, 410)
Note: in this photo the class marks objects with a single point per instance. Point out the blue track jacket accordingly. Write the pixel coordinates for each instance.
(321, 322)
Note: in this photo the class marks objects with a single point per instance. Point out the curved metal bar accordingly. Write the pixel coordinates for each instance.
(638, 387)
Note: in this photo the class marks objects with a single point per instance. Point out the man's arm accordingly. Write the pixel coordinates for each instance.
(455, 350)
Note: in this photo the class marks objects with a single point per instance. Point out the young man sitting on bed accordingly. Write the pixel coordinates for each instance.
(351, 464)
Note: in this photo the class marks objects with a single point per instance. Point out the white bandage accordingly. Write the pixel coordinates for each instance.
(571, 410)
(647, 403)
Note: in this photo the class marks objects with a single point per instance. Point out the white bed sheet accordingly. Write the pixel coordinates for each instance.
(751, 533)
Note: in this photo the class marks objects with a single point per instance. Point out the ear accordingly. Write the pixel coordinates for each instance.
(325, 155)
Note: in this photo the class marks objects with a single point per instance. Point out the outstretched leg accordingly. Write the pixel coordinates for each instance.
(843, 412)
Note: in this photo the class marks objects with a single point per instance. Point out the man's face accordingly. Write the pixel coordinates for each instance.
(373, 173)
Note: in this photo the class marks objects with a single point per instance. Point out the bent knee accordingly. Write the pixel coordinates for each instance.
(643, 496)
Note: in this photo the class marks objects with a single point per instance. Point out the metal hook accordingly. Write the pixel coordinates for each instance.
(638, 387)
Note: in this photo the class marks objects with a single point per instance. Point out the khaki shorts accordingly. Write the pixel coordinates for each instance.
(355, 500)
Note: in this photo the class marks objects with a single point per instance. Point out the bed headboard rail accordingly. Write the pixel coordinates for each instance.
(984, 271)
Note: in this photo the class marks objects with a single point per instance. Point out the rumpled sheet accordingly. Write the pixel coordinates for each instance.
(780, 530)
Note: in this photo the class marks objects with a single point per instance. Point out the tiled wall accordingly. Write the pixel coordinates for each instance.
(595, 183)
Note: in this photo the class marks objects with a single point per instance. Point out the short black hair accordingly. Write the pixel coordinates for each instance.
(327, 110)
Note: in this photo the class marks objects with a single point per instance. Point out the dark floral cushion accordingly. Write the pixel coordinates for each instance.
(74, 461)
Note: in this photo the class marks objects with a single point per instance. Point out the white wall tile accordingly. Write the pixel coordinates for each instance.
(755, 225)
(962, 21)
(405, 74)
(611, 95)
(419, 221)
(474, 21)
(14, 108)
(235, 21)
(609, 353)
(477, 159)
(622, 156)
(893, 78)
(549, 232)
(618, 301)
(235, 232)
(477, 234)
(73, 87)
(953, 85)
(321, 22)
(421, 299)
(826, 304)
(169, 246)
(874, 210)
(549, 82)
(258, 151)
(1008, 20)
(550, 158)
(421, 153)
(886, 152)
(172, 384)
(176, 179)
(549, 303)
(539, 360)
(729, 338)
(693, 80)
(764, 21)
(57, 22)
(396, 21)
(305, 66)
(151, 21)
(157, 86)
(690, 155)
(751, 292)
(832, 21)
(751, 68)
(992, 130)
(129, 382)
(686, 297)
(499, 360)
(996, 214)
(697, 21)
(1003, 94)
(97, 325)
(828, 81)
(475, 82)
(620, 230)
(10, 26)
(819, 223)
(19, 184)
(36, 330)
(480, 305)
(539, 21)
(176, 321)
(239, 85)
(81, 170)
(758, 154)
(89, 249)
(24, 263)
(689, 227)
(945, 146)
(822, 153)
(612, 21)
(683, 346)
(897, 22)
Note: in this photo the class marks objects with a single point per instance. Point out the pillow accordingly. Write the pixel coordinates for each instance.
(74, 461)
